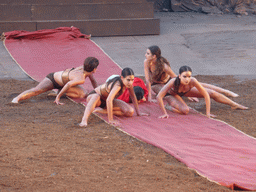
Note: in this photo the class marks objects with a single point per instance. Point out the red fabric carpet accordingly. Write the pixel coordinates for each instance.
(214, 149)
(41, 52)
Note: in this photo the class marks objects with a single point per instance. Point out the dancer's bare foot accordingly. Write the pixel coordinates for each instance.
(15, 100)
(99, 110)
(53, 93)
(195, 99)
(82, 124)
(230, 94)
(238, 106)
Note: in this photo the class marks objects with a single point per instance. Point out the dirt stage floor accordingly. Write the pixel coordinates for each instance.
(42, 148)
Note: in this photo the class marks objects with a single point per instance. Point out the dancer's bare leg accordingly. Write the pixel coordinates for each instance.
(125, 108)
(77, 92)
(177, 103)
(156, 88)
(220, 90)
(120, 108)
(104, 111)
(54, 92)
(217, 97)
(42, 87)
(92, 102)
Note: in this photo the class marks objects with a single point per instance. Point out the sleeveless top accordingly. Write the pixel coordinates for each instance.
(179, 93)
(104, 92)
(65, 75)
(158, 78)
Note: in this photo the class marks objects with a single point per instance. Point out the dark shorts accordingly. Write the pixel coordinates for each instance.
(103, 103)
(171, 92)
(161, 83)
(55, 84)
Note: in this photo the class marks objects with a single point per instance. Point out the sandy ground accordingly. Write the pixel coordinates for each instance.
(209, 44)
(42, 148)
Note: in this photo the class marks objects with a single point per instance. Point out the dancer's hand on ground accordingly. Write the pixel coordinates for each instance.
(152, 100)
(144, 114)
(195, 99)
(211, 115)
(57, 101)
(165, 116)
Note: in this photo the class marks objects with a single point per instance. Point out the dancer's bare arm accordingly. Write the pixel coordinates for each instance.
(110, 99)
(93, 81)
(161, 95)
(134, 100)
(147, 78)
(169, 71)
(205, 94)
(76, 81)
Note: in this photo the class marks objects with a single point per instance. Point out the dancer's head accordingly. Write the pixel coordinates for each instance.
(184, 69)
(185, 74)
(139, 92)
(153, 52)
(91, 64)
(127, 77)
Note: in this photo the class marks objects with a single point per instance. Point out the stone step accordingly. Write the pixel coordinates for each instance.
(76, 12)
(64, 2)
(97, 27)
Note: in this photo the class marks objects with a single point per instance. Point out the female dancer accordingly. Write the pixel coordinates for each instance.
(68, 81)
(186, 85)
(139, 88)
(104, 96)
(158, 71)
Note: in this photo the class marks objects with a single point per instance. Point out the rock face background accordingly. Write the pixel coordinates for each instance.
(240, 7)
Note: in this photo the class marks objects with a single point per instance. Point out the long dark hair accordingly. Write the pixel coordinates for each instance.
(125, 72)
(177, 80)
(160, 61)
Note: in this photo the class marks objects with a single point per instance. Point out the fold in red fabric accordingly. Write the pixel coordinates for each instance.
(41, 52)
(213, 148)
(65, 32)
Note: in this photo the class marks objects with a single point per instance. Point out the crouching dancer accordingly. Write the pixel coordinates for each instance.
(188, 86)
(139, 88)
(105, 96)
(67, 82)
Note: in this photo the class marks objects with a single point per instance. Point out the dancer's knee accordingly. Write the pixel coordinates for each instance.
(128, 112)
(213, 94)
(82, 95)
(184, 110)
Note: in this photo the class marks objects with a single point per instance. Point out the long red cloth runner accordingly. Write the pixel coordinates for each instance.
(213, 148)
